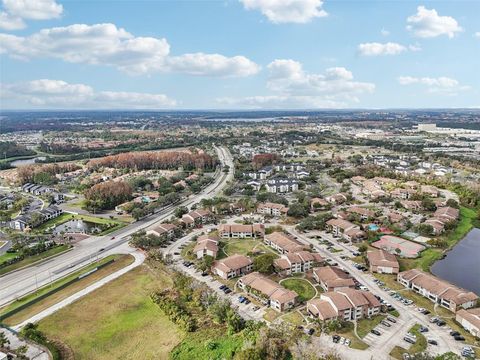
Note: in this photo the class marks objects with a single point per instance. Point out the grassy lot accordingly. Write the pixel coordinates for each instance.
(120, 262)
(118, 321)
(420, 346)
(31, 259)
(302, 287)
(390, 281)
(243, 247)
(208, 344)
(429, 256)
(93, 219)
(7, 256)
(271, 315)
(294, 317)
(365, 325)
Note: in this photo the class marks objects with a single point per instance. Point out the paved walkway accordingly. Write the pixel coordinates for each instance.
(139, 259)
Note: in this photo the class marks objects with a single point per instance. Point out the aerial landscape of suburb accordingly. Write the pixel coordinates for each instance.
(239, 180)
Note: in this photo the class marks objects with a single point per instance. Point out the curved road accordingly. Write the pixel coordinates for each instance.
(21, 282)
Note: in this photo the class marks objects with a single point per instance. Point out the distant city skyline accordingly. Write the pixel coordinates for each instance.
(239, 54)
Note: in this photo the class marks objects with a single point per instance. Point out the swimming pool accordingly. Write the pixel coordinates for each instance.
(373, 227)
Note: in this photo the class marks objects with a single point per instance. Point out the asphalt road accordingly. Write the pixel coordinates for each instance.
(19, 283)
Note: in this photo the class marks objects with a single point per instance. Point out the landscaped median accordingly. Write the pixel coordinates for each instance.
(31, 304)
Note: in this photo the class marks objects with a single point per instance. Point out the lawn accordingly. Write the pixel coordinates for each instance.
(243, 247)
(32, 259)
(121, 261)
(348, 333)
(7, 256)
(117, 321)
(365, 325)
(302, 287)
(208, 344)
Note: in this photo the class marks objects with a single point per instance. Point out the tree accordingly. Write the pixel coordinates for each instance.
(363, 248)
(297, 210)
(180, 211)
(425, 229)
(264, 263)
(428, 204)
(206, 263)
(453, 203)
(3, 340)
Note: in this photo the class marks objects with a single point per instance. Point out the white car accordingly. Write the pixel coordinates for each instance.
(348, 342)
(342, 340)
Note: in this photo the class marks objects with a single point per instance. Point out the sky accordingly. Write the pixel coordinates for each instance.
(239, 54)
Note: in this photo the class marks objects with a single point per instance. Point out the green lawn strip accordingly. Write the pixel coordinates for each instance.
(56, 284)
(32, 259)
(208, 344)
(7, 256)
(302, 287)
(365, 325)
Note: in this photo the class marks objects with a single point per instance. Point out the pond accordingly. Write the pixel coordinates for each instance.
(77, 226)
(23, 162)
(461, 266)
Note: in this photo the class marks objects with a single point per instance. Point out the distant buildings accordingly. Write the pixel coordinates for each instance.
(272, 209)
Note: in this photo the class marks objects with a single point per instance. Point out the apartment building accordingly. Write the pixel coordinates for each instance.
(196, 217)
(345, 229)
(332, 278)
(273, 209)
(470, 320)
(437, 290)
(381, 261)
(239, 231)
(283, 243)
(292, 263)
(268, 291)
(347, 304)
(232, 266)
(281, 185)
(206, 245)
(167, 230)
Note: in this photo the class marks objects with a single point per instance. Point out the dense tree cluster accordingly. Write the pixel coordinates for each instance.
(43, 174)
(107, 195)
(261, 160)
(155, 160)
(11, 149)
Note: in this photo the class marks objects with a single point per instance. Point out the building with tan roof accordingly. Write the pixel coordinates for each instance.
(381, 261)
(332, 278)
(347, 304)
(167, 230)
(232, 266)
(283, 243)
(318, 203)
(470, 320)
(197, 217)
(301, 261)
(345, 229)
(206, 245)
(437, 290)
(239, 231)
(337, 198)
(273, 209)
(362, 212)
(268, 291)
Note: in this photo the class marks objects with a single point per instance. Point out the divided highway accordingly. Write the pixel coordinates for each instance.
(21, 282)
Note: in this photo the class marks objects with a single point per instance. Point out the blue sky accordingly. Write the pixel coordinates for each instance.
(239, 54)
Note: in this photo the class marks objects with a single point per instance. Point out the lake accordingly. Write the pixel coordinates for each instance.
(23, 162)
(462, 264)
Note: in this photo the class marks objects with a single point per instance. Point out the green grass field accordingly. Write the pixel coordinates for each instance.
(302, 287)
(32, 259)
(120, 262)
(243, 247)
(117, 321)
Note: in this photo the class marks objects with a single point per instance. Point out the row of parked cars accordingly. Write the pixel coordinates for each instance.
(400, 298)
(387, 323)
(337, 339)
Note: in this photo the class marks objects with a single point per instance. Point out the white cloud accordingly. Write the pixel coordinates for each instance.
(477, 34)
(376, 49)
(105, 44)
(287, 11)
(442, 84)
(46, 93)
(10, 22)
(15, 11)
(428, 24)
(292, 87)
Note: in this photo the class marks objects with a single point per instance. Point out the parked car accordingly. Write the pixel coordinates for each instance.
(336, 338)
(385, 323)
(432, 342)
(375, 332)
(454, 333)
(391, 319)
(409, 340)
(222, 287)
(459, 338)
(423, 329)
